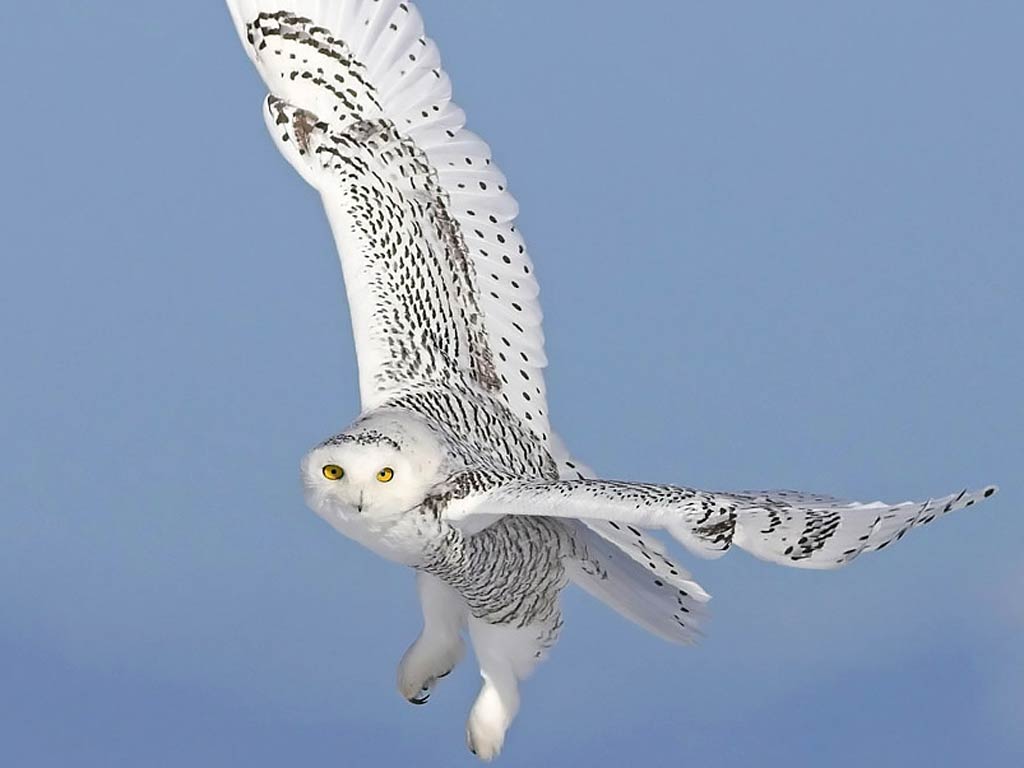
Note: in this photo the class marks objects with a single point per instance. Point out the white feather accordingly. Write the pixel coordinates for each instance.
(397, 77)
(636, 576)
(669, 606)
(784, 527)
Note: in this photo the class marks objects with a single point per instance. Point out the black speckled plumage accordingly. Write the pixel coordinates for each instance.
(447, 326)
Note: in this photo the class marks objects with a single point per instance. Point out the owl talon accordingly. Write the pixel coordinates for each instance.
(432, 657)
(422, 697)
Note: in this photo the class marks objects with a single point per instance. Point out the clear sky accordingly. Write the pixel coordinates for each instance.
(780, 245)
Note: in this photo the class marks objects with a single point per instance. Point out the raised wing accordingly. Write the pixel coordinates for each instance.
(439, 282)
(785, 527)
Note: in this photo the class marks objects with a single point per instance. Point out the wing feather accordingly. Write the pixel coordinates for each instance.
(631, 571)
(785, 527)
(362, 109)
(662, 599)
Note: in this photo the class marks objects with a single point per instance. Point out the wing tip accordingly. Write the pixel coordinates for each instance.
(968, 498)
(980, 495)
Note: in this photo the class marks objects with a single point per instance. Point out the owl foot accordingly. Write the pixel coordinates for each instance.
(422, 697)
(424, 694)
(485, 736)
(423, 665)
(490, 718)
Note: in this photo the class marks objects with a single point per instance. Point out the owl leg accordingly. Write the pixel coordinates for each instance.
(507, 655)
(439, 647)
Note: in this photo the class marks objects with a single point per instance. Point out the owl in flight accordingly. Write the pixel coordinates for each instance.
(452, 467)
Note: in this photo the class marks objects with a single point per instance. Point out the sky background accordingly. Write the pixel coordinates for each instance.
(779, 247)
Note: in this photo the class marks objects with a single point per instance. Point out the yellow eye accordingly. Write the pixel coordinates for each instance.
(333, 472)
(386, 474)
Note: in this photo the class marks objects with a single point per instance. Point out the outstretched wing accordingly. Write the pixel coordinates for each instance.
(786, 527)
(439, 282)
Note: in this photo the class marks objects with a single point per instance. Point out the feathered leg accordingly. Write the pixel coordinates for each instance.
(507, 655)
(440, 646)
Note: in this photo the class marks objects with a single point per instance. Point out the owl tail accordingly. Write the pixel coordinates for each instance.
(630, 572)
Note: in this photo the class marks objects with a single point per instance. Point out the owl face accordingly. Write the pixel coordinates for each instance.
(377, 468)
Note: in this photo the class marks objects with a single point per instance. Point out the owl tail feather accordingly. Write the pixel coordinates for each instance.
(631, 573)
(629, 570)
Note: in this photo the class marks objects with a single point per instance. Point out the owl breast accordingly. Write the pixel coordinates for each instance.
(404, 538)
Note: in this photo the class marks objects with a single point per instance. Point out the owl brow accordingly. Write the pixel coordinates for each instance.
(369, 437)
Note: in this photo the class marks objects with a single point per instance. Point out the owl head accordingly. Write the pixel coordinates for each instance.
(382, 466)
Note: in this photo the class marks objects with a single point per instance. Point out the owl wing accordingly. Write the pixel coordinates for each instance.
(786, 527)
(439, 283)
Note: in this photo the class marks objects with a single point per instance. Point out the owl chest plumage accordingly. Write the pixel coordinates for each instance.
(511, 571)
(402, 538)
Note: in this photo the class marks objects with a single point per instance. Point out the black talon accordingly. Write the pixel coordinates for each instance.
(421, 699)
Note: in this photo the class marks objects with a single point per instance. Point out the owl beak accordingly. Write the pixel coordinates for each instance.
(359, 507)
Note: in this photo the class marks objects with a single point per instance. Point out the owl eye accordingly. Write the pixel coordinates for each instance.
(333, 472)
(386, 474)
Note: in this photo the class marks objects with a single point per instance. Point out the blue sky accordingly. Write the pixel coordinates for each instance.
(778, 247)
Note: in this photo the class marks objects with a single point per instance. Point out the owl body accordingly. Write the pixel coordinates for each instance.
(453, 469)
(508, 570)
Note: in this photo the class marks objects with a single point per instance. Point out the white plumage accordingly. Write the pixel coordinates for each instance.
(397, 78)
(452, 467)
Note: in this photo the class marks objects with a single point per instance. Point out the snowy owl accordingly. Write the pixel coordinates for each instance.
(452, 467)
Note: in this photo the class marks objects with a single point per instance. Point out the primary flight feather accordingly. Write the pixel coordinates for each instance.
(452, 467)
